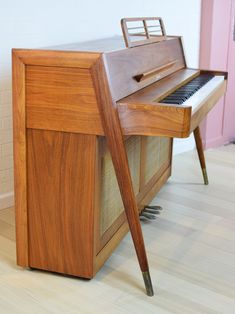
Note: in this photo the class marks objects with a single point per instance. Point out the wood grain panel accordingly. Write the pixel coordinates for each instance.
(124, 65)
(19, 142)
(61, 179)
(61, 99)
(154, 119)
(57, 58)
(159, 90)
(115, 141)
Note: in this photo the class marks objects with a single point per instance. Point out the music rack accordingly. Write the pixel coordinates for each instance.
(152, 29)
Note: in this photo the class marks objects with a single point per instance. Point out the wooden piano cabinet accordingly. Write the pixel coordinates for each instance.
(92, 148)
(69, 210)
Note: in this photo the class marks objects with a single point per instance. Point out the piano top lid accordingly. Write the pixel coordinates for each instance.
(146, 34)
(98, 45)
(104, 45)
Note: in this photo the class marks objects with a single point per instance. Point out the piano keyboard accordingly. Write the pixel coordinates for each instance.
(194, 92)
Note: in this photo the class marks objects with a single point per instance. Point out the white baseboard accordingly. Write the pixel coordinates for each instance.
(183, 145)
(6, 200)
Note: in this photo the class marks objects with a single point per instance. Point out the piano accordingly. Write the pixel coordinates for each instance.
(93, 129)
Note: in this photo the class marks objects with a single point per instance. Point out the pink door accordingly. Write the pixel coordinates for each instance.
(229, 108)
(217, 52)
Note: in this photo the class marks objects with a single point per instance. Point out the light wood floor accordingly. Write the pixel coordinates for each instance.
(191, 250)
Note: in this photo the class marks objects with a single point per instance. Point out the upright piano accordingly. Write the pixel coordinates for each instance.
(93, 129)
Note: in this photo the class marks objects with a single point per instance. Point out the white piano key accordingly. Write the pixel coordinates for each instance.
(196, 99)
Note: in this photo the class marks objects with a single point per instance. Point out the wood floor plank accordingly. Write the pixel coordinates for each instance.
(190, 246)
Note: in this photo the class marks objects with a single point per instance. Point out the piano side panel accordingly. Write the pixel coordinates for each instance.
(123, 65)
(61, 99)
(61, 185)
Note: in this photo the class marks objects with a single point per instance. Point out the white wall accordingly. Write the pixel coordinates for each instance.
(29, 24)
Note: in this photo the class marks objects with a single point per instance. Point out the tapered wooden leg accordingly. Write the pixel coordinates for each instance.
(201, 156)
(115, 141)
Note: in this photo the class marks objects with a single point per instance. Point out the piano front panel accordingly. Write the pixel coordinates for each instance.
(149, 158)
(111, 206)
(157, 153)
(163, 58)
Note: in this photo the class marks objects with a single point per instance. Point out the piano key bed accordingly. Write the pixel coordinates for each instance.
(192, 93)
(185, 92)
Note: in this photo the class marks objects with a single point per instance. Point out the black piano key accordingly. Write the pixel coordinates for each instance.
(185, 92)
(170, 102)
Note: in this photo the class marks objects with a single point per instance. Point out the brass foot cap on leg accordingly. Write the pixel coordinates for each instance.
(205, 177)
(148, 283)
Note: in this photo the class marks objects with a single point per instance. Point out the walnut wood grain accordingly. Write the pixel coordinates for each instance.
(61, 183)
(124, 65)
(157, 91)
(155, 119)
(199, 146)
(112, 128)
(20, 173)
(58, 58)
(153, 72)
(61, 99)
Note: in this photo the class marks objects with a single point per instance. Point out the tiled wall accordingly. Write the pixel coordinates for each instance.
(29, 24)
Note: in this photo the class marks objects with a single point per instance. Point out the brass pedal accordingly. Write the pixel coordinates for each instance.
(147, 215)
(154, 207)
(150, 212)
